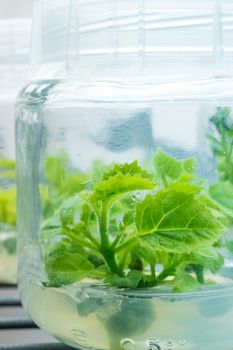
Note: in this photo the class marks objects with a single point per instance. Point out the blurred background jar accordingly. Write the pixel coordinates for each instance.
(14, 53)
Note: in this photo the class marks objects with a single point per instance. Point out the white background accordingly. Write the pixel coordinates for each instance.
(15, 8)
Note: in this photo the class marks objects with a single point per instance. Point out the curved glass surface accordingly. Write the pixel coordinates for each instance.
(125, 175)
(14, 56)
(130, 192)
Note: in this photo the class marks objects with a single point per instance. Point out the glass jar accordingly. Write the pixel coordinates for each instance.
(125, 174)
(14, 54)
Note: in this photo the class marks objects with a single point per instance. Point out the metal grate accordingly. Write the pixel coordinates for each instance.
(20, 324)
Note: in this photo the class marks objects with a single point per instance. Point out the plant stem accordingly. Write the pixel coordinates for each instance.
(92, 239)
(107, 252)
(123, 260)
(103, 223)
(199, 271)
(109, 256)
(85, 231)
(152, 269)
(116, 241)
(80, 240)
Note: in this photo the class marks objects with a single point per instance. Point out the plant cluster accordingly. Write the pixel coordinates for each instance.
(221, 141)
(132, 228)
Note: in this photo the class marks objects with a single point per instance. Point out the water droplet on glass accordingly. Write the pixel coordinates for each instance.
(152, 344)
(127, 344)
(182, 342)
(152, 339)
(169, 343)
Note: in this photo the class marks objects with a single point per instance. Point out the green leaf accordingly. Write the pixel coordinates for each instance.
(87, 215)
(167, 166)
(73, 183)
(152, 256)
(184, 282)
(146, 252)
(98, 168)
(8, 205)
(7, 163)
(60, 244)
(66, 267)
(229, 245)
(221, 141)
(131, 280)
(222, 120)
(189, 274)
(222, 193)
(55, 169)
(170, 169)
(189, 165)
(68, 211)
(209, 258)
(126, 169)
(184, 187)
(118, 185)
(48, 233)
(176, 222)
(65, 182)
(61, 182)
(128, 219)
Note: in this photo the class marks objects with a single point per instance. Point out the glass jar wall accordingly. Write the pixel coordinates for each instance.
(14, 54)
(125, 178)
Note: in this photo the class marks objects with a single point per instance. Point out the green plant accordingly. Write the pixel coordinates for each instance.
(7, 193)
(61, 183)
(221, 142)
(8, 204)
(130, 222)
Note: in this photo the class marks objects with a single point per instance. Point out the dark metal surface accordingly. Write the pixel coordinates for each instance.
(17, 330)
(10, 301)
(16, 322)
(45, 346)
